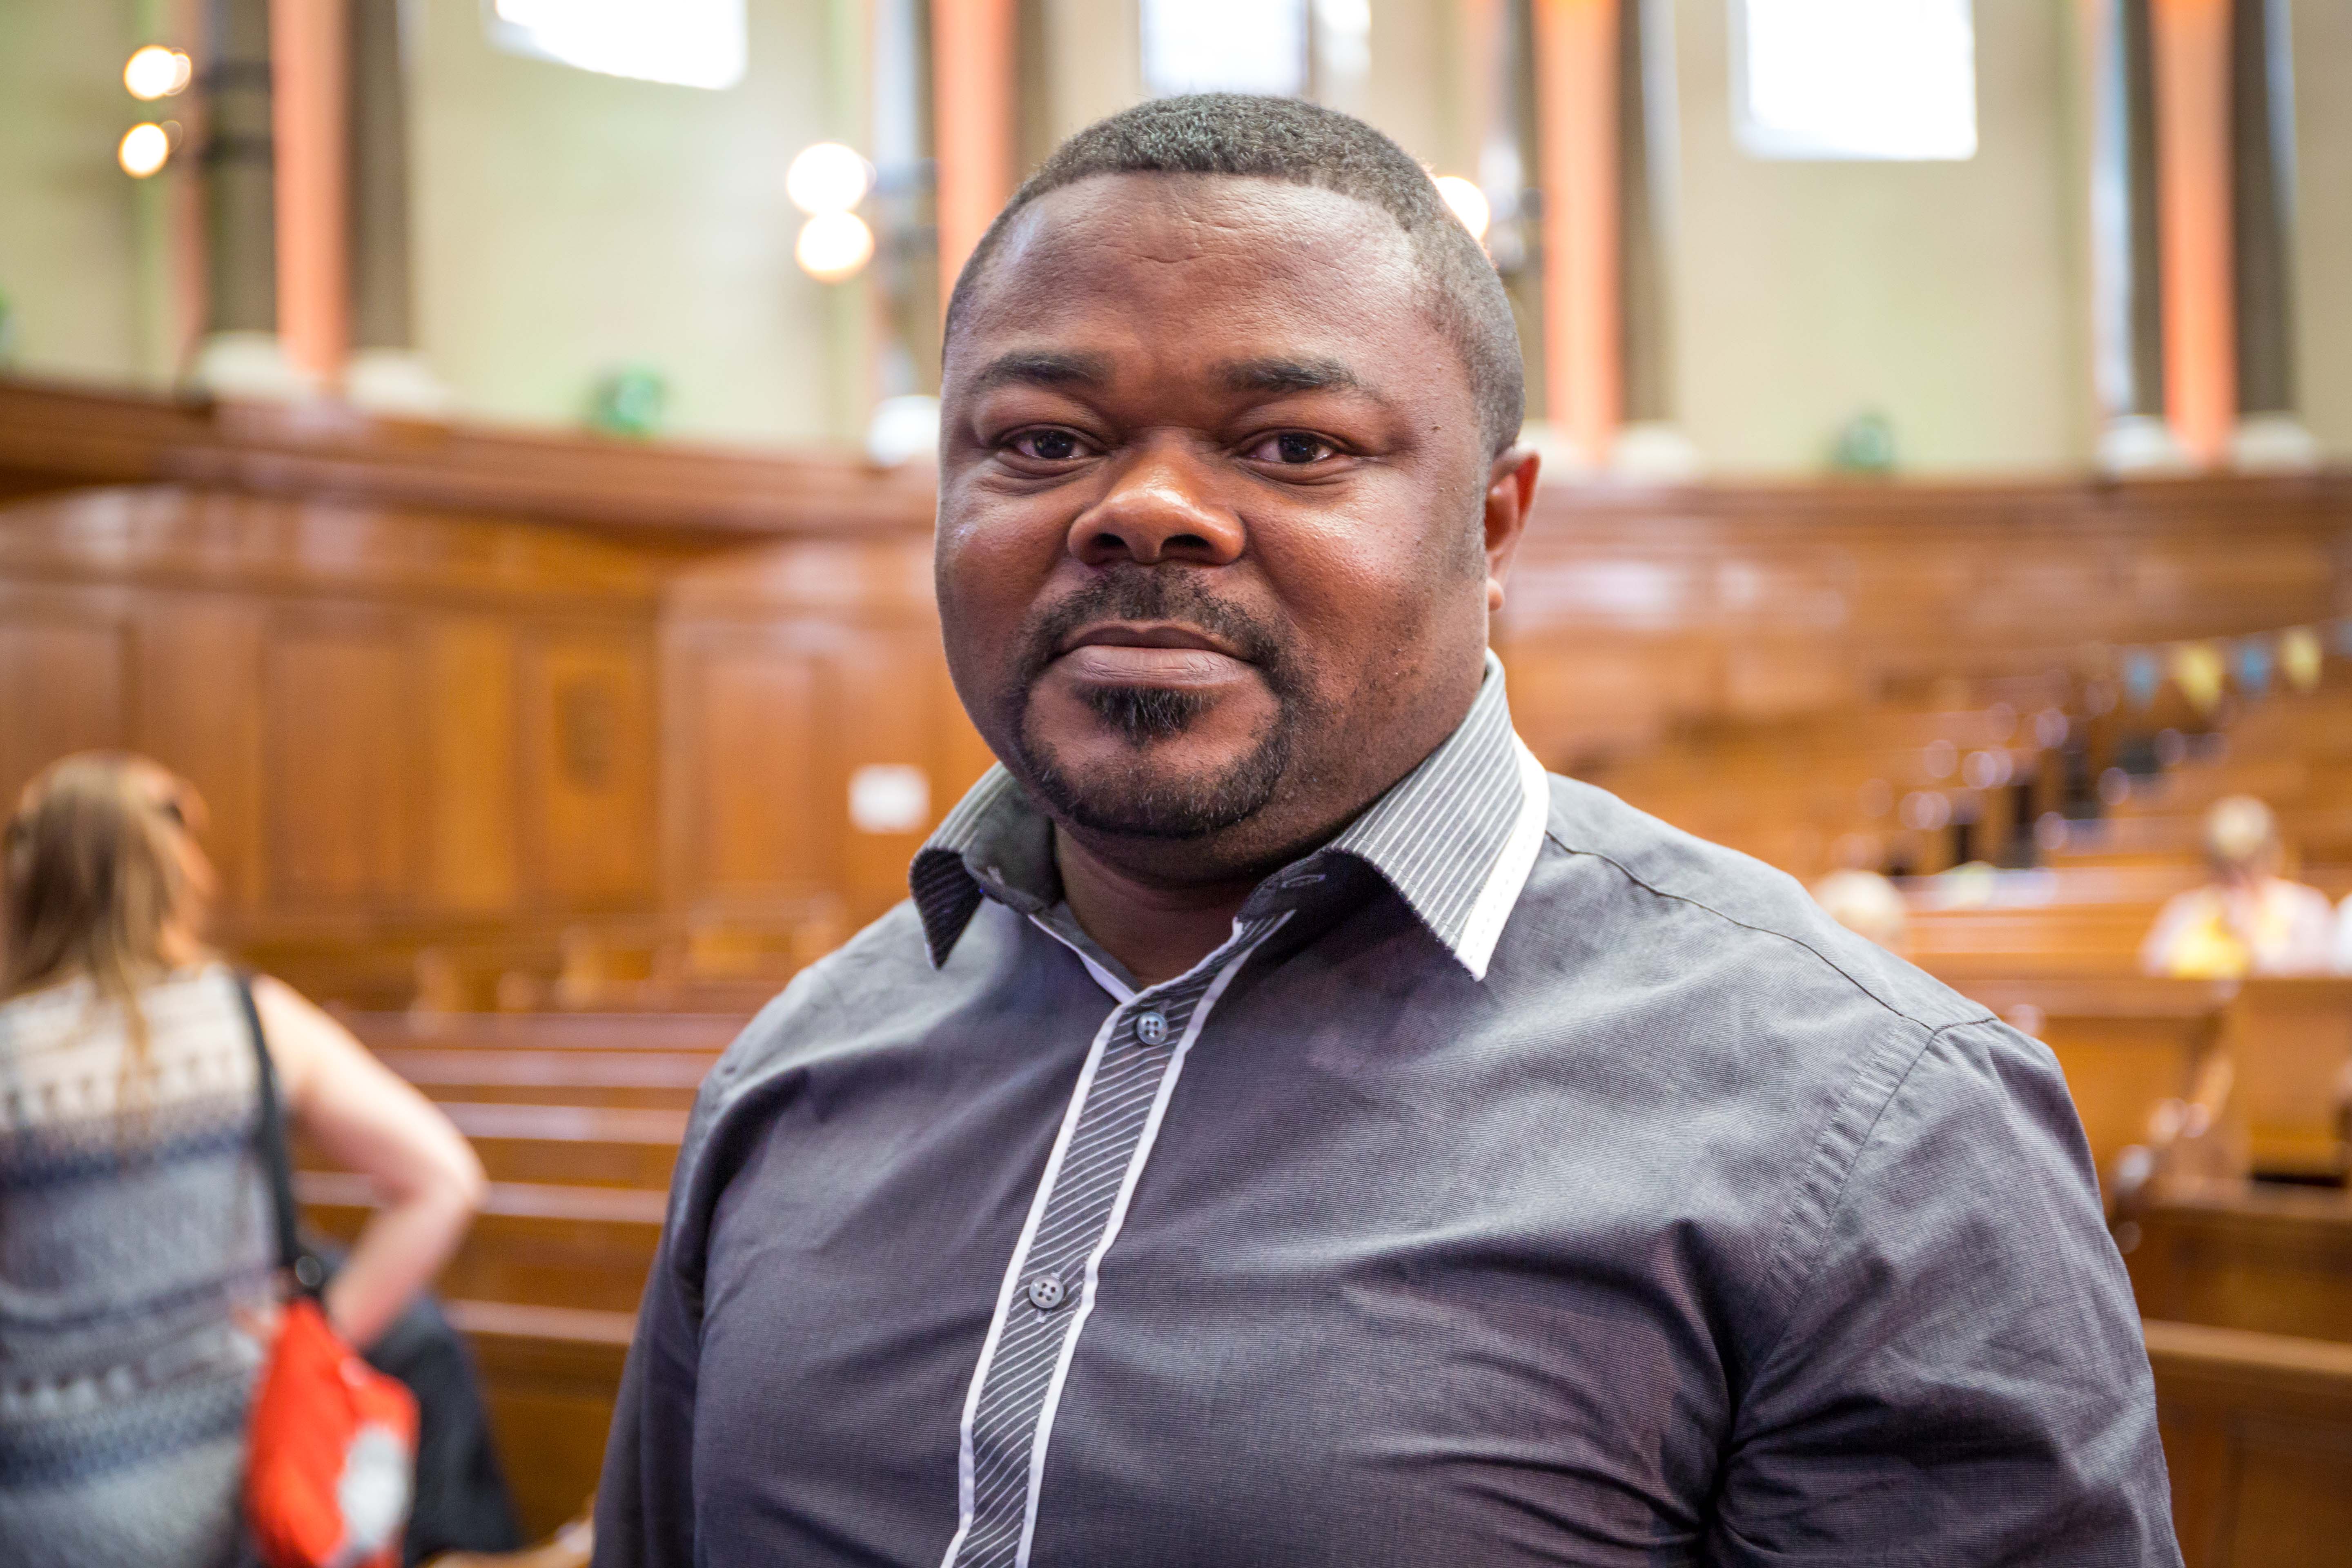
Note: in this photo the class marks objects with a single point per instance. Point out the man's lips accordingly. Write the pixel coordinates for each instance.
(1153, 653)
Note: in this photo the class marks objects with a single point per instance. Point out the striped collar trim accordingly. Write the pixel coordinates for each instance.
(1456, 837)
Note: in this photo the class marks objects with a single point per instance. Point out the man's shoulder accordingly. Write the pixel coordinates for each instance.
(1726, 988)
(1727, 915)
(877, 982)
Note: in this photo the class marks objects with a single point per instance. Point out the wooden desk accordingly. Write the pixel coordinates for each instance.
(2258, 1438)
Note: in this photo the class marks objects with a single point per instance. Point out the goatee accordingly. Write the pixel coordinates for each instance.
(1143, 799)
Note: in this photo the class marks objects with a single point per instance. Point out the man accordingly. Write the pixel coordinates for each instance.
(1285, 1127)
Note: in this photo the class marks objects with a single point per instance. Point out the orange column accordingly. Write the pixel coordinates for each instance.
(2191, 40)
(309, 116)
(971, 123)
(1576, 114)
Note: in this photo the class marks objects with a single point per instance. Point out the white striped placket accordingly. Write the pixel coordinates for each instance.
(1049, 1289)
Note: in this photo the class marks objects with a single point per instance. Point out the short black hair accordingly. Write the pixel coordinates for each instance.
(1303, 144)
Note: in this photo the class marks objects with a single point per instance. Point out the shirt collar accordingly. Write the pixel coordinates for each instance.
(1456, 837)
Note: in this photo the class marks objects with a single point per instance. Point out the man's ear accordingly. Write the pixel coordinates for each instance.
(1510, 495)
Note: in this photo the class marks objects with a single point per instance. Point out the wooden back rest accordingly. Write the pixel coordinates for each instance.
(2125, 1042)
(2292, 1042)
(2258, 1436)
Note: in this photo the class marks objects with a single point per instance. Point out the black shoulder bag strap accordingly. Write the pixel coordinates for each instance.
(303, 1267)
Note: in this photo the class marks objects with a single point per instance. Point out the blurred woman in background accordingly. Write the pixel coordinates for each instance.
(136, 1244)
(2249, 920)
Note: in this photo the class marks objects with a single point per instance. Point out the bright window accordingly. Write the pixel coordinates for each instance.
(691, 43)
(1225, 46)
(1855, 78)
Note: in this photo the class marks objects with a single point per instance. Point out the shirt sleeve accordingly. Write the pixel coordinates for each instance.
(645, 1515)
(1961, 1377)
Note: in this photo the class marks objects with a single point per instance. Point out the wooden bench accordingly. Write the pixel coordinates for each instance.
(577, 1118)
(550, 1376)
(597, 1146)
(532, 1243)
(649, 1079)
(2256, 1256)
(545, 1288)
(704, 1033)
(2258, 1438)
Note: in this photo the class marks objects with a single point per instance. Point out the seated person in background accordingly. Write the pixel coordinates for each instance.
(137, 1250)
(1867, 904)
(2248, 920)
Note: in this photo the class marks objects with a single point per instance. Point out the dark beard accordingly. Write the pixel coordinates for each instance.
(1142, 714)
(1139, 805)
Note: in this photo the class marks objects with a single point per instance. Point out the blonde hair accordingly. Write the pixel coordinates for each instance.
(2241, 836)
(100, 874)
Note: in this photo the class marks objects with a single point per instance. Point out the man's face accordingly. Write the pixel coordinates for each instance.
(1214, 549)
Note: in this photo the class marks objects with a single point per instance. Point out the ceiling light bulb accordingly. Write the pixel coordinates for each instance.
(827, 178)
(146, 147)
(157, 72)
(833, 246)
(1468, 202)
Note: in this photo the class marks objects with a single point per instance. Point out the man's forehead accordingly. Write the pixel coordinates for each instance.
(1144, 234)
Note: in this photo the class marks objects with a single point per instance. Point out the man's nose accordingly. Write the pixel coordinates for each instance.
(1161, 507)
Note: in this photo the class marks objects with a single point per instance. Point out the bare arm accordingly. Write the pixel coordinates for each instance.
(426, 1173)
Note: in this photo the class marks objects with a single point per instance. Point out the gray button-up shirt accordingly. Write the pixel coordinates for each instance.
(1523, 1182)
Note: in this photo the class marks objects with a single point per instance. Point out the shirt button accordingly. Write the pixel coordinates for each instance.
(1151, 1029)
(1045, 1292)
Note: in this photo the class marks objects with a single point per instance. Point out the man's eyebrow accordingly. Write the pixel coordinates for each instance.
(1043, 368)
(1289, 375)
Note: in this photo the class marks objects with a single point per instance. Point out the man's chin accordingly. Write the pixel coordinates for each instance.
(1163, 790)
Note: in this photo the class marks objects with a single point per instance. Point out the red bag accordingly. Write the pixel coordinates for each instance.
(331, 1445)
(330, 1452)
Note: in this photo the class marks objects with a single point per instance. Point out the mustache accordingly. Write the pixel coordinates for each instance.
(1133, 593)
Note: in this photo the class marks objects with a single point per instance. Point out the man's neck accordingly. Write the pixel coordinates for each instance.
(1156, 927)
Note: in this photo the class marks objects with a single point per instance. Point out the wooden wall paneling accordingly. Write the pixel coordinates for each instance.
(784, 670)
(341, 792)
(962, 755)
(64, 683)
(885, 711)
(471, 864)
(589, 737)
(199, 666)
(745, 740)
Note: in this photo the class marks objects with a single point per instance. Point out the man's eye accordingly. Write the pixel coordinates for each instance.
(1046, 446)
(1294, 446)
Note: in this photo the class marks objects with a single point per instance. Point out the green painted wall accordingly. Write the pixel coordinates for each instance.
(2322, 108)
(71, 220)
(566, 223)
(1947, 296)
